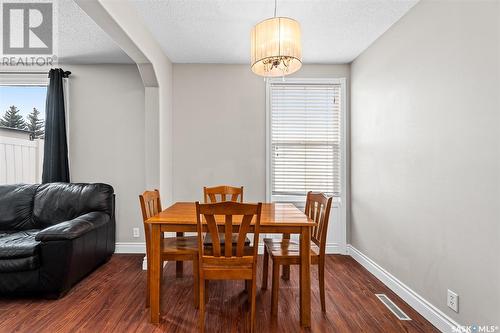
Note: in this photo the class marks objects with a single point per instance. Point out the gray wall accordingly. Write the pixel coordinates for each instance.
(106, 136)
(426, 154)
(219, 134)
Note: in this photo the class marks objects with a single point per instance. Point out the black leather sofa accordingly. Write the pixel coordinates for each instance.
(52, 235)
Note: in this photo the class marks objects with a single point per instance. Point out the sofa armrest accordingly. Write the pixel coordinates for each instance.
(73, 228)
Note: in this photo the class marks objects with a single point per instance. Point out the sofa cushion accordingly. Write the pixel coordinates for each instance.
(19, 251)
(18, 244)
(19, 264)
(59, 202)
(16, 206)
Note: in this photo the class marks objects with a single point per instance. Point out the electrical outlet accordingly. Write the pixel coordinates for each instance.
(452, 300)
(135, 232)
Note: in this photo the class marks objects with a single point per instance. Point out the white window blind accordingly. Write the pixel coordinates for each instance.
(306, 139)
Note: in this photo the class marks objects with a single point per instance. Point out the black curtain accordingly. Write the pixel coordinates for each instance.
(55, 153)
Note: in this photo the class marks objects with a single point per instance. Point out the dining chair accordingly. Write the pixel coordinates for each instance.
(177, 249)
(287, 252)
(231, 261)
(221, 194)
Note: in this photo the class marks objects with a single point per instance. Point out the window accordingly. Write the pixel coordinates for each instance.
(22, 113)
(305, 139)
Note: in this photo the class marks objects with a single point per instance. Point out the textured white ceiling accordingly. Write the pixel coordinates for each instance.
(81, 40)
(218, 31)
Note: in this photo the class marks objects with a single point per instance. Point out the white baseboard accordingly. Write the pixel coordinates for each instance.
(335, 248)
(417, 302)
(123, 247)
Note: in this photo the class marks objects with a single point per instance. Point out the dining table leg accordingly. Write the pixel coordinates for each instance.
(305, 277)
(285, 275)
(155, 274)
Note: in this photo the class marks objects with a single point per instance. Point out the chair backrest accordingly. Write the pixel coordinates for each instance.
(318, 209)
(210, 194)
(237, 217)
(150, 206)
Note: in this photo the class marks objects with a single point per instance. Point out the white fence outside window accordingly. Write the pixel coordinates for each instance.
(20, 160)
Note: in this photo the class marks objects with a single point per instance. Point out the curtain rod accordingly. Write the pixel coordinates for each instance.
(19, 72)
(66, 73)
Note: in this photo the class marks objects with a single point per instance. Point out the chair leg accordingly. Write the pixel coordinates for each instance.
(179, 268)
(179, 265)
(285, 270)
(321, 276)
(202, 297)
(275, 288)
(161, 270)
(206, 291)
(253, 290)
(265, 266)
(248, 288)
(147, 283)
(196, 277)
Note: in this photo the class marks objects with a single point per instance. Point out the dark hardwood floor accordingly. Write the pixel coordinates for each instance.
(112, 300)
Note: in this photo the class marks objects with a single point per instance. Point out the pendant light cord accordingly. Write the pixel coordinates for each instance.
(275, 6)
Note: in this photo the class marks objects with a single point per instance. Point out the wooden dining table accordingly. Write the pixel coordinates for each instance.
(276, 218)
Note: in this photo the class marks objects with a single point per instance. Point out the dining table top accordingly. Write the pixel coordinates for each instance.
(276, 214)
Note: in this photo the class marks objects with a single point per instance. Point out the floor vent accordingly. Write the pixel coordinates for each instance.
(393, 307)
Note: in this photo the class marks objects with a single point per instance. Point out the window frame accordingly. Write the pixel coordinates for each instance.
(332, 81)
(339, 203)
(26, 79)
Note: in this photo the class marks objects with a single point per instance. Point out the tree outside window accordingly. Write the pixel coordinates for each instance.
(22, 108)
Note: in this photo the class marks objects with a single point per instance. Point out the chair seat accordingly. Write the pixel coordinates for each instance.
(180, 245)
(234, 238)
(247, 251)
(289, 250)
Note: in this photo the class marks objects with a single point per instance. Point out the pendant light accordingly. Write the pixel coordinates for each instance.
(276, 46)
